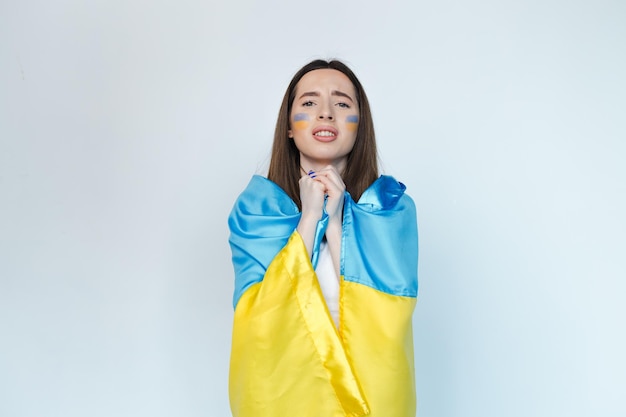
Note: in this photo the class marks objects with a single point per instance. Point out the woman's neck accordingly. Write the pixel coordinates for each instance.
(307, 166)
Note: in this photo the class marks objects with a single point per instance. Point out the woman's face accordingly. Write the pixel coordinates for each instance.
(324, 119)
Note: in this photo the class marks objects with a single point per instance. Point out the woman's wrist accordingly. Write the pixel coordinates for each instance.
(334, 224)
(311, 215)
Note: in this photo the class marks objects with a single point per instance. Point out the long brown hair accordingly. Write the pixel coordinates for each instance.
(362, 163)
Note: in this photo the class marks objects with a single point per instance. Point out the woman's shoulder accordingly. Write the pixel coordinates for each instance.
(263, 196)
(385, 193)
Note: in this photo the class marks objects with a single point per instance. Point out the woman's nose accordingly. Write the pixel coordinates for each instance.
(325, 114)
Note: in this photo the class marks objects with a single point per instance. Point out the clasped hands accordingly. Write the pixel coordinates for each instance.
(317, 186)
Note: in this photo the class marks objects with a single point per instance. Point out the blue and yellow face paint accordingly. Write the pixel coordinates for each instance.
(300, 121)
(352, 122)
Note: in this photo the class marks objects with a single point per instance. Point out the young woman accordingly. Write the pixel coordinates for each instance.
(325, 258)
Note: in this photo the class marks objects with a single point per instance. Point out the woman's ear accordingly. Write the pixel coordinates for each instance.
(290, 134)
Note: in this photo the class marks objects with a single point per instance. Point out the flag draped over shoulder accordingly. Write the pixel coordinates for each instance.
(288, 358)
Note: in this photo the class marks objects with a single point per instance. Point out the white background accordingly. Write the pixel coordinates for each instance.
(128, 128)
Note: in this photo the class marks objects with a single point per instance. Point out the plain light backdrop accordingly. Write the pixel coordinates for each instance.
(128, 128)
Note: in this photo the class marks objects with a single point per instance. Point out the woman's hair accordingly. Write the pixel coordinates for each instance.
(362, 163)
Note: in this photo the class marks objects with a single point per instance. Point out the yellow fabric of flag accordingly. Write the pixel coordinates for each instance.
(289, 359)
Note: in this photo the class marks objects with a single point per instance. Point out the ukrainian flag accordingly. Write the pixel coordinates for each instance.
(288, 358)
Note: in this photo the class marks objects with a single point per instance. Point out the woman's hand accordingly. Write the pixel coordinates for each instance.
(312, 199)
(314, 188)
(334, 188)
(311, 196)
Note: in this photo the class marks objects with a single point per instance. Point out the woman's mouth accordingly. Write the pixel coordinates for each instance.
(325, 134)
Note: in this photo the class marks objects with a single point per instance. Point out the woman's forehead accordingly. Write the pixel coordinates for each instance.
(325, 79)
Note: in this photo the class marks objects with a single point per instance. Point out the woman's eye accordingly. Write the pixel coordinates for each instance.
(344, 105)
(307, 104)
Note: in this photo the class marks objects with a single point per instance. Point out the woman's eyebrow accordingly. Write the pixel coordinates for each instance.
(341, 94)
(310, 94)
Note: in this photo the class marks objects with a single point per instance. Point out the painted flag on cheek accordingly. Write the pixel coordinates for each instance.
(352, 122)
(300, 121)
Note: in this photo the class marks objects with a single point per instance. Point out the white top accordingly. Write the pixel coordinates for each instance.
(329, 282)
